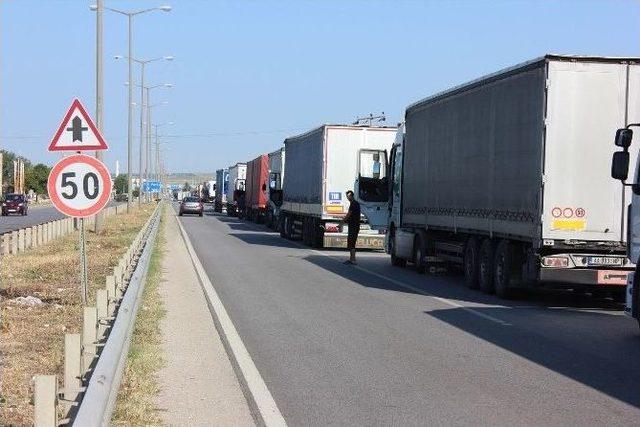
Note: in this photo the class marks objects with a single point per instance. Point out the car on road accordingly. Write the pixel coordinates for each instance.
(191, 205)
(14, 204)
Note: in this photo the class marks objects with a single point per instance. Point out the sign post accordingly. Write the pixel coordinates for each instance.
(79, 186)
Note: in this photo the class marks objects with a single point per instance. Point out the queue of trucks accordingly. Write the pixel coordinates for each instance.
(502, 178)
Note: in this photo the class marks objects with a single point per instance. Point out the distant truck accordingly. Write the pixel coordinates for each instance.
(236, 188)
(274, 195)
(504, 177)
(208, 191)
(222, 183)
(321, 166)
(256, 189)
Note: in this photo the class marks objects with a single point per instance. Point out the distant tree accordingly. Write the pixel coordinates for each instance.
(36, 178)
(121, 184)
(186, 187)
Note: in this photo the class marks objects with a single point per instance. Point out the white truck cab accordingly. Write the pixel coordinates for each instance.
(620, 171)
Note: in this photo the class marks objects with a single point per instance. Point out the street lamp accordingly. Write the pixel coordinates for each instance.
(130, 15)
(143, 63)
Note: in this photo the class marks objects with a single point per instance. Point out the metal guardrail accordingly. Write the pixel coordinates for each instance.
(109, 326)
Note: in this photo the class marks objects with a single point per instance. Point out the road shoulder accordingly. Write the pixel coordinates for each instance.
(198, 383)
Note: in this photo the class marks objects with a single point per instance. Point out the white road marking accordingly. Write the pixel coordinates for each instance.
(266, 405)
(415, 289)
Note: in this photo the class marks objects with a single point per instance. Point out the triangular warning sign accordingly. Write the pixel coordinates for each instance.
(77, 132)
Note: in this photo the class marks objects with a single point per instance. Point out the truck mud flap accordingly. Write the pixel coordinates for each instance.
(585, 276)
(363, 242)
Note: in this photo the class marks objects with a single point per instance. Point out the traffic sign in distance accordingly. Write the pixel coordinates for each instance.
(79, 185)
(77, 132)
(151, 187)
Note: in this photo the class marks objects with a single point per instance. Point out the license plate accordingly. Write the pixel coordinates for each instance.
(601, 260)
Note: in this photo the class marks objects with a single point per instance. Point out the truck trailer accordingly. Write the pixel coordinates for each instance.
(504, 177)
(222, 182)
(236, 188)
(322, 165)
(274, 195)
(256, 188)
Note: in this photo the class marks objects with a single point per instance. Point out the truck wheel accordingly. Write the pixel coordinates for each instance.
(395, 260)
(318, 234)
(283, 219)
(471, 263)
(419, 251)
(503, 269)
(485, 267)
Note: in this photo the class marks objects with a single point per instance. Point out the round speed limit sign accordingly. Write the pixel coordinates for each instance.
(79, 185)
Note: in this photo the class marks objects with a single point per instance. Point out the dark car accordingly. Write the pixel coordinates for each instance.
(14, 204)
(191, 205)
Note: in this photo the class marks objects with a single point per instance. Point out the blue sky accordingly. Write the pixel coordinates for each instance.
(249, 73)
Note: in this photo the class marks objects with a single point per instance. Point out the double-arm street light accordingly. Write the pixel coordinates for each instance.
(130, 15)
(143, 63)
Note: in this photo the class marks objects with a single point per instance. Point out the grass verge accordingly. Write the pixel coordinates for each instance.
(136, 397)
(32, 338)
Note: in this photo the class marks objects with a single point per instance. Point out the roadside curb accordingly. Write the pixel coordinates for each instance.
(263, 407)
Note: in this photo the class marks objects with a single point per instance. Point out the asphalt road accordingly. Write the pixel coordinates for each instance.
(381, 345)
(35, 215)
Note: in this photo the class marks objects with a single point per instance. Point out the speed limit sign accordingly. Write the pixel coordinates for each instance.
(79, 185)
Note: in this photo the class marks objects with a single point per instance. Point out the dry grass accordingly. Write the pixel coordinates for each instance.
(32, 338)
(136, 398)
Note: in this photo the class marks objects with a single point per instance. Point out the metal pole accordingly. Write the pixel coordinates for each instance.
(130, 122)
(146, 166)
(83, 262)
(142, 105)
(99, 222)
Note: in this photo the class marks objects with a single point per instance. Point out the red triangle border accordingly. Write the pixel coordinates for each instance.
(54, 141)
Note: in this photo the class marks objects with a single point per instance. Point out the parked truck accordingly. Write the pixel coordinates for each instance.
(222, 182)
(256, 188)
(236, 188)
(274, 195)
(504, 177)
(208, 191)
(321, 166)
(620, 170)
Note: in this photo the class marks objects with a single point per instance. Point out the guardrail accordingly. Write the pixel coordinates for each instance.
(23, 239)
(94, 360)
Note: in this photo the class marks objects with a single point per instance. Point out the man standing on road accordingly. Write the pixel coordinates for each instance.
(352, 219)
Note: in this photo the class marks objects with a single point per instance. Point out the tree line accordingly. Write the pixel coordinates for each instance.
(35, 175)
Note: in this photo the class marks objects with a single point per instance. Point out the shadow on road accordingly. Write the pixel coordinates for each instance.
(595, 348)
(587, 347)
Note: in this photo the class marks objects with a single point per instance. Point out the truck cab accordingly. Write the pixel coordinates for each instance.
(620, 171)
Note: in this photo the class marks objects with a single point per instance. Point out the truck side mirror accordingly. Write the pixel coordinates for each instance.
(624, 137)
(620, 165)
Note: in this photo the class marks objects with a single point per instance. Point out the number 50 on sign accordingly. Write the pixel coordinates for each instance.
(79, 185)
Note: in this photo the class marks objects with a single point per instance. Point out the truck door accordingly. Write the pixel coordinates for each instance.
(372, 186)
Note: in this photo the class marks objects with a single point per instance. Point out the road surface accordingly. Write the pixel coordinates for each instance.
(381, 345)
(36, 215)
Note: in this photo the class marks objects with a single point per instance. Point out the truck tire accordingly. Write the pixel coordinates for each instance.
(419, 252)
(471, 263)
(283, 219)
(395, 260)
(503, 271)
(485, 267)
(318, 234)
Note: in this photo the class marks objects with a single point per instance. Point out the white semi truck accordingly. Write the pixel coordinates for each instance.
(274, 195)
(504, 177)
(235, 188)
(620, 170)
(322, 165)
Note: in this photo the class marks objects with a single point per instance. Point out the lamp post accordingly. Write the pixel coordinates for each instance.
(130, 15)
(143, 63)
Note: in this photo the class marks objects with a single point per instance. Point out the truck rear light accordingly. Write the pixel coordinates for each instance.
(331, 228)
(555, 261)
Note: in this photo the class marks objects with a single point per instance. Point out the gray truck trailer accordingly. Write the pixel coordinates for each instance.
(505, 177)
